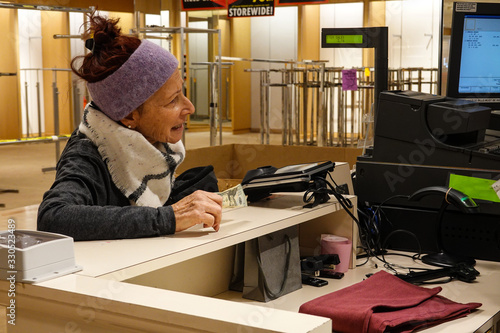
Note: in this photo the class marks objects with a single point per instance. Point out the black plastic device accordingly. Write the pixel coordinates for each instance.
(462, 272)
(329, 274)
(313, 281)
(261, 182)
(319, 262)
(459, 199)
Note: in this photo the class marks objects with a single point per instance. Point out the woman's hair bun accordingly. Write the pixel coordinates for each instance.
(109, 49)
(105, 31)
(101, 38)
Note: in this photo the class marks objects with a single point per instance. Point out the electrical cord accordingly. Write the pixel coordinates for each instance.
(368, 227)
(371, 219)
(392, 233)
(321, 187)
(423, 275)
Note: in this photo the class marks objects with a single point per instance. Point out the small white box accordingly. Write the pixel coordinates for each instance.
(35, 256)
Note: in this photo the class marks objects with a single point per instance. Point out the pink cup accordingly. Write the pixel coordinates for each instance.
(331, 244)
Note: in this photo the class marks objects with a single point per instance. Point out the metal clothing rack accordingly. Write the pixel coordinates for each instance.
(8, 190)
(265, 93)
(295, 85)
(264, 103)
(56, 137)
(215, 114)
(315, 108)
(77, 94)
(55, 96)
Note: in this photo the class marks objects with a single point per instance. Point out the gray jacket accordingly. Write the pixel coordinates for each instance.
(85, 204)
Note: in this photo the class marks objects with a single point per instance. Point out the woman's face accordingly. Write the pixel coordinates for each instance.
(163, 115)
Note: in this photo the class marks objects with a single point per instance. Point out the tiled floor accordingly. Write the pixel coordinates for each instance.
(22, 165)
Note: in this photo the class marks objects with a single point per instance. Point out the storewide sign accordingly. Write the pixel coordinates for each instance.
(249, 8)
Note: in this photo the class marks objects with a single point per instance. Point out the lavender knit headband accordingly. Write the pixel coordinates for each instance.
(146, 71)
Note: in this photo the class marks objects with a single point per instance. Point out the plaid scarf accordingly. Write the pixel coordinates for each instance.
(143, 172)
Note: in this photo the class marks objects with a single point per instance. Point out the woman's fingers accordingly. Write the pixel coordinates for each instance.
(199, 207)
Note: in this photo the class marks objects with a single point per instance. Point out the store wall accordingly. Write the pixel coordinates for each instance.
(309, 33)
(414, 32)
(225, 27)
(241, 90)
(9, 96)
(199, 74)
(126, 20)
(77, 48)
(373, 16)
(56, 54)
(30, 71)
(272, 38)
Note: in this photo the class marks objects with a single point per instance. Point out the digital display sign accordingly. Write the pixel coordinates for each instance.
(344, 39)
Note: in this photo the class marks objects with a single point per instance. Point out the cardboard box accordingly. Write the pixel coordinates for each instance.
(231, 162)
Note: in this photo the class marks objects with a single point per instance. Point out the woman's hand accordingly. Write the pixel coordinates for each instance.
(198, 207)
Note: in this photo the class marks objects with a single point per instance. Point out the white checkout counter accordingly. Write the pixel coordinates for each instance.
(179, 283)
(125, 284)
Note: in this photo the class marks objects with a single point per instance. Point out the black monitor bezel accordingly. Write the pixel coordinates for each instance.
(455, 55)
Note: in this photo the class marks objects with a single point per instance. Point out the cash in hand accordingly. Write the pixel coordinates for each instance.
(233, 197)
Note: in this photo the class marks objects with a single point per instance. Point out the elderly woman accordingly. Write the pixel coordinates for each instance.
(115, 177)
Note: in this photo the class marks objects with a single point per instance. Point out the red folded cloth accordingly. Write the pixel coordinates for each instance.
(383, 302)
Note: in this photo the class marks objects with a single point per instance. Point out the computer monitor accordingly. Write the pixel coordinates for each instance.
(474, 62)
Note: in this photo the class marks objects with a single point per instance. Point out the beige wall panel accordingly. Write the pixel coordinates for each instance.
(309, 33)
(224, 26)
(240, 97)
(56, 54)
(374, 16)
(9, 85)
(126, 21)
(148, 6)
(174, 8)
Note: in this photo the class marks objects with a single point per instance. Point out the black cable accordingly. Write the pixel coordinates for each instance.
(436, 281)
(369, 233)
(362, 264)
(392, 233)
(366, 242)
(370, 237)
(371, 221)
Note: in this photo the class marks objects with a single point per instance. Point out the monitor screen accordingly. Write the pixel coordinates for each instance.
(474, 61)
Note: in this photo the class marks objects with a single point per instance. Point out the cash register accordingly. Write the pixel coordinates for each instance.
(420, 140)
